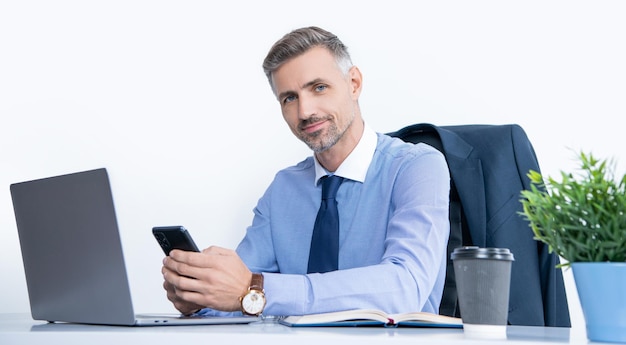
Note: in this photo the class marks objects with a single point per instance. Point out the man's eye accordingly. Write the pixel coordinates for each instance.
(289, 99)
(320, 88)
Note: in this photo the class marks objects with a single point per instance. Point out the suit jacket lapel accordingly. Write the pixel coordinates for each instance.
(467, 174)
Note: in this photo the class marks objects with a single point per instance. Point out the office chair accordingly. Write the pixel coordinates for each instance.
(488, 166)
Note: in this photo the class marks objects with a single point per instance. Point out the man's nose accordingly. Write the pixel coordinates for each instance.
(306, 107)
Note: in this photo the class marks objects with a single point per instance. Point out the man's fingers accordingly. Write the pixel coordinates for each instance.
(215, 250)
(190, 258)
(179, 299)
(215, 278)
(183, 264)
(182, 276)
(210, 257)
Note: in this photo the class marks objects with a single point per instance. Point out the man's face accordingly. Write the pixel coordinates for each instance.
(317, 99)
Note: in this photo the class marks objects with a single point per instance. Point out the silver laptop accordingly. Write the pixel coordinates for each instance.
(72, 253)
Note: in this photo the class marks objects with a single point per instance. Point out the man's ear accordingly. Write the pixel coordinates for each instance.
(356, 81)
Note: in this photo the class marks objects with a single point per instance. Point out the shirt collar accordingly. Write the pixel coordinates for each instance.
(355, 166)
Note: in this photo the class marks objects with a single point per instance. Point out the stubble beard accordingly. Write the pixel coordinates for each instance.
(320, 141)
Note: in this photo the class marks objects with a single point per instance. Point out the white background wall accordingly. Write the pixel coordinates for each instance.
(170, 97)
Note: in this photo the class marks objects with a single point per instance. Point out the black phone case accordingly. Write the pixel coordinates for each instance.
(174, 237)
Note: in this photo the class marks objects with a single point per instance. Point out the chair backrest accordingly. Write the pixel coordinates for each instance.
(488, 168)
(449, 300)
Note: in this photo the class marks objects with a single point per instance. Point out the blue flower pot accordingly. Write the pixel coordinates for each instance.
(601, 289)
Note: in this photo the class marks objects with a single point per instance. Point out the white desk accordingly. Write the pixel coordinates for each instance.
(21, 329)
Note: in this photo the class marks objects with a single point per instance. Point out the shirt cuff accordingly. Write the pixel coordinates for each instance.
(285, 294)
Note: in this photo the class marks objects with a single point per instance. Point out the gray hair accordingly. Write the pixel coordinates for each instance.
(297, 42)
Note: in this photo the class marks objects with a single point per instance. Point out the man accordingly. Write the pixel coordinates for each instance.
(392, 205)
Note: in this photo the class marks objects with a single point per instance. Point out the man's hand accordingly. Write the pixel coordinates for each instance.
(215, 278)
(186, 308)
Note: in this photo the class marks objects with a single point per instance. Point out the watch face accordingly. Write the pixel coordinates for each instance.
(253, 302)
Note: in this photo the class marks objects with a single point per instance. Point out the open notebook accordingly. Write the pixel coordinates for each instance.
(72, 253)
(372, 317)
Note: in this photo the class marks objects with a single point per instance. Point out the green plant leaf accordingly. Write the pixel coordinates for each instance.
(582, 217)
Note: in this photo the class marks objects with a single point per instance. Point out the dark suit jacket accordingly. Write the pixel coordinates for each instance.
(489, 166)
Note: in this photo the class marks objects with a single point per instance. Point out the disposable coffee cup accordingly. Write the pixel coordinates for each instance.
(483, 281)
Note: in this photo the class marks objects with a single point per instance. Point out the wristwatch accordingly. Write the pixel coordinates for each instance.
(253, 302)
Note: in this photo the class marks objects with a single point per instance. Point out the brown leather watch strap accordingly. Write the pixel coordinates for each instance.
(256, 283)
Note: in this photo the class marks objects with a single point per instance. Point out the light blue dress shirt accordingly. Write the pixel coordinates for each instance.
(394, 228)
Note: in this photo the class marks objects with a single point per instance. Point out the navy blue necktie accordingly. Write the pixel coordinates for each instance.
(324, 254)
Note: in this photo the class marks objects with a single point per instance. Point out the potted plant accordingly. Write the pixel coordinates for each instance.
(583, 219)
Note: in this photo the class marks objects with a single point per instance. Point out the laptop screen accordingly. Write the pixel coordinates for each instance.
(71, 249)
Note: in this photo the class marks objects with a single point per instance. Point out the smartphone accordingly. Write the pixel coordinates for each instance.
(174, 237)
